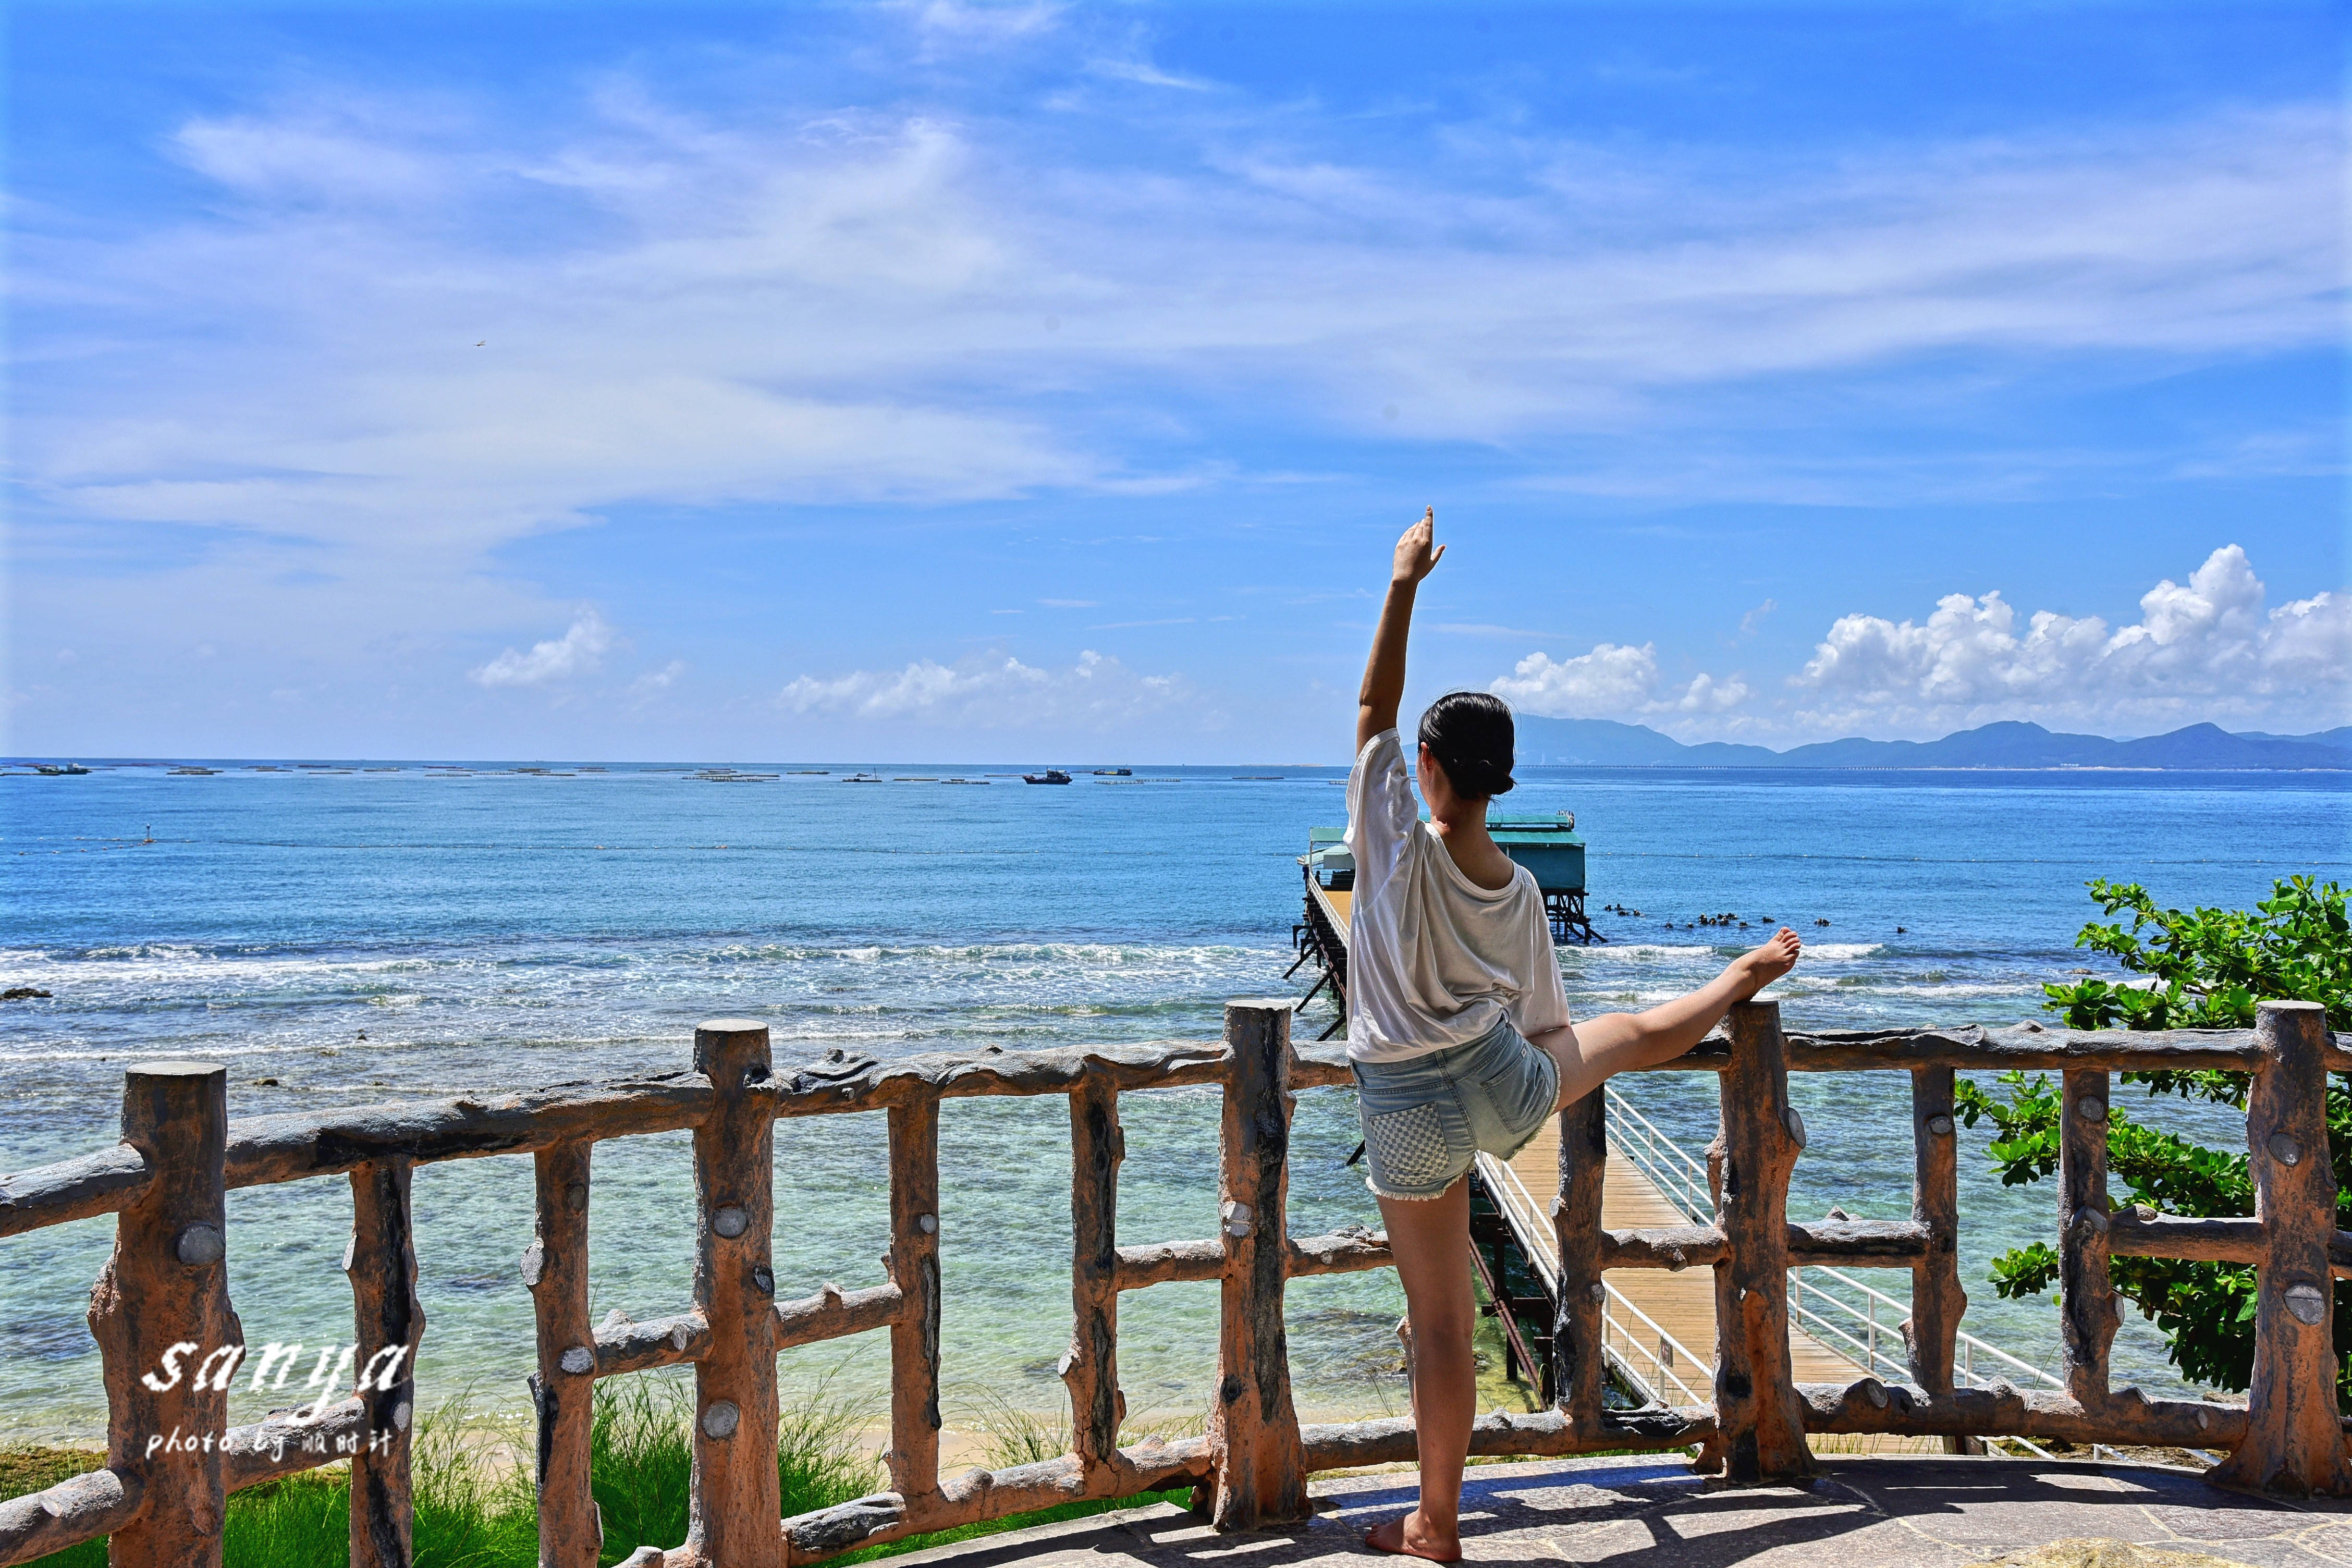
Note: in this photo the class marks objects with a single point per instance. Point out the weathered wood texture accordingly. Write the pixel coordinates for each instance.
(270, 1149)
(2294, 1440)
(1261, 1473)
(1579, 1364)
(1168, 1262)
(66, 1514)
(390, 1324)
(731, 1521)
(555, 1269)
(2141, 1232)
(2086, 1300)
(914, 1453)
(1090, 1367)
(1759, 1423)
(166, 1283)
(1870, 1405)
(1938, 1299)
(166, 1287)
(1855, 1243)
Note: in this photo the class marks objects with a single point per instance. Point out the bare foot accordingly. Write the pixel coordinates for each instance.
(1758, 967)
(1412, 1536)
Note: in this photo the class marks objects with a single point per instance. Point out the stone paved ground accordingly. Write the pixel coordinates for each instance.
(1649, 1513)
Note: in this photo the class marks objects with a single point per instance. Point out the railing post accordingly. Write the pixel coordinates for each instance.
(1261, 1471)
(1931, 1336)
(733, 1520)
(1579, 1366)
(390, 1324)
(563, 1389)
(161, 1311)
(914, 1262)
(1090, 1370)
(2293, 1441)
(2087, 1314)
(1759, 1421)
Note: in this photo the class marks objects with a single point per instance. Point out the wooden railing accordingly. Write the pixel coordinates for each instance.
(167, 1285)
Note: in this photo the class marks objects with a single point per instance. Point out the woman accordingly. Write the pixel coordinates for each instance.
(1457, 1026)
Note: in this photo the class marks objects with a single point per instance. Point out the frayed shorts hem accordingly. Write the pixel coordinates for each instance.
(1381, 1192)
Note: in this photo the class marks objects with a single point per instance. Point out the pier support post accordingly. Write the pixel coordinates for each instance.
(2088, 1312)
(390, 1324)
(1580, 1365)
(733, 1518)
(1261, 1468)
(1091, 1369)
(1759, 1420)
(2294, 1443)
(914, 1453)
(161, 1311)
(563, 1389)
(1937, 1300)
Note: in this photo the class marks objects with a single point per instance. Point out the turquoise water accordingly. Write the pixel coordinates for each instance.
(340, 937)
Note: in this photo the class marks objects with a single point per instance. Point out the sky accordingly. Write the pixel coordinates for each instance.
(943, 380)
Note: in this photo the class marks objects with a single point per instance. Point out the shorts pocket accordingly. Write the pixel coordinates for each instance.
(1408, 1147)
(1522, 1093)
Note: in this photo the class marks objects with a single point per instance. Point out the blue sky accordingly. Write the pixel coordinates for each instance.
(946, 381)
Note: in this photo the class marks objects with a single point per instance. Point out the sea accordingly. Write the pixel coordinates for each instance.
(366, 932)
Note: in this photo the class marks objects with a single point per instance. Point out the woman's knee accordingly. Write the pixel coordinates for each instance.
(1444, 1326)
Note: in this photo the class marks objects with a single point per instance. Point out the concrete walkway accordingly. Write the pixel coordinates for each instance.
(1922, 1512)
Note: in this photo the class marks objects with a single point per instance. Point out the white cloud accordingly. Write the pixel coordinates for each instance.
(1145, 73)
(579, 652)
(718, 308)
(1611, 678)
(1706, 694)
(1755, 617)
(655, 681)
(2204, 650)
(994, 693)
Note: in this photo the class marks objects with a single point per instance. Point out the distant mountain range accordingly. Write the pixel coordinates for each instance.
(1602, 743)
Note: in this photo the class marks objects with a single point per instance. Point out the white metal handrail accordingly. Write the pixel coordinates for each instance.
(1820, 1309)
(1668, 1346)
(1521, 1211)
(1969, 1343)
(1682, 1179)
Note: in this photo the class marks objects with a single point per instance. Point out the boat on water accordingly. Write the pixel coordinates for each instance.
(863, 778)
(1051, 775)
(62, 770)
(1114, 773)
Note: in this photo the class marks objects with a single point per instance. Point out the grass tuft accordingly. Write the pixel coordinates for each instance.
(474, 1508)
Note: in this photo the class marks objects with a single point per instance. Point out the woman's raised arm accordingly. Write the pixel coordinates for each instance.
(1375, 704)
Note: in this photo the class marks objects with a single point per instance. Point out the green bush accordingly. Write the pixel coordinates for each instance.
(2207, 969)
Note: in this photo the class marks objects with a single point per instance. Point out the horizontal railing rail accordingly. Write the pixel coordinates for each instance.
(166, 1285)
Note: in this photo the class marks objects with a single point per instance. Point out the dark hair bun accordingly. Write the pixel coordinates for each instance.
(1471, 736)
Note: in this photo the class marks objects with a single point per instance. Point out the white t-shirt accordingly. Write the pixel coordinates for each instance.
(1432, 957)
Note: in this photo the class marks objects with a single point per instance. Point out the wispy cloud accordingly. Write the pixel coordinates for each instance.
(998, 692)
(731, 310)
(579, 652)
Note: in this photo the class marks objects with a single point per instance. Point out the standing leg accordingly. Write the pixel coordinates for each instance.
(1431, 1241)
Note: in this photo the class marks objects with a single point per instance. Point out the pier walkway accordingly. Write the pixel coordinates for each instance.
(1659, 1326)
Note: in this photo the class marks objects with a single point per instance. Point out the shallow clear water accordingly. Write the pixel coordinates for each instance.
(371, 935)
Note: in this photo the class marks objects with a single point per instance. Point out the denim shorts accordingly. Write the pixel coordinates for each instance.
(1426, 1118)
